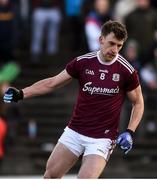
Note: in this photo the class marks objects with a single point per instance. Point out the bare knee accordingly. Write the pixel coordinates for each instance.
(87, 175)
(47, 175)
(50, 174)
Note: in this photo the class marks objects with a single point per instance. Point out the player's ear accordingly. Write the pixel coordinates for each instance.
(101, 39)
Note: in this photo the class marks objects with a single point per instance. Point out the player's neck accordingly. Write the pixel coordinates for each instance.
(102, 57)
(103, 60)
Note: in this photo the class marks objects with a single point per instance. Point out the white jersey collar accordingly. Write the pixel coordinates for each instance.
(106, 63)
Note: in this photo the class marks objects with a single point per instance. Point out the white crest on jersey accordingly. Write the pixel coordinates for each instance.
(116, 77)
(99, 90)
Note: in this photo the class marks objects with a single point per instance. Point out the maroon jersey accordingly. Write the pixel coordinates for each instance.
(102, 91)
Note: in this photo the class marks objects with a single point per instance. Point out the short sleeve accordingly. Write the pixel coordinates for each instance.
(132, 82)
(72, 68)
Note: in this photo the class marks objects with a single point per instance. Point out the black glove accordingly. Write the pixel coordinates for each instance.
(125, 140)
(12, 95)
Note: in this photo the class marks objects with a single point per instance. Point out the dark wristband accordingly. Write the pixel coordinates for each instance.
(130, 132)
(20, 94)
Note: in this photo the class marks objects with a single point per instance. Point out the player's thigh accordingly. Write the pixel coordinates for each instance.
(92, 166)
(60, 161)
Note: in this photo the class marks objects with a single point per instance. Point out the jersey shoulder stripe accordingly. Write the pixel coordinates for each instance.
(87, 56)
(126, 64)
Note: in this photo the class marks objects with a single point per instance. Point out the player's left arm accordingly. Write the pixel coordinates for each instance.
(136, 98)
(125, 139)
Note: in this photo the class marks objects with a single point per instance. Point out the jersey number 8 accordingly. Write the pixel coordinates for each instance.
(102, 76)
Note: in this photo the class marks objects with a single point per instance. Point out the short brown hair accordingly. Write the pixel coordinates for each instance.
(116, 27)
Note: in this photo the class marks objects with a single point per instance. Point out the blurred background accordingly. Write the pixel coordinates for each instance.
(37, 39)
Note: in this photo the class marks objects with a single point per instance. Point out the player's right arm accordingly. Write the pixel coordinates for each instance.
(39, 88)
(47, 85)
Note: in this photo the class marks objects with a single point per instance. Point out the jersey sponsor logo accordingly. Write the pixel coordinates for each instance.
(88, 71)
(99, 90)
(116, 77)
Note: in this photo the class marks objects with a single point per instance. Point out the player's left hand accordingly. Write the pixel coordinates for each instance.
(125, 140)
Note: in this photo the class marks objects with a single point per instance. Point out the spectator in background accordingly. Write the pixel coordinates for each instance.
(99, 14)
(149, 77)
(154, 3)
(46, 15)
(3, 132)
(131, 54)
(9, 115)
(8, 30)
(3, 123)
(73, 12)
(142, 26)
(149, 72)
(122, 8)
(24, 6)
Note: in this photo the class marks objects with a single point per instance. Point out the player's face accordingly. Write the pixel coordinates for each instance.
(110, 46)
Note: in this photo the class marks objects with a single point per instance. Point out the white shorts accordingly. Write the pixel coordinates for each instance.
(80, 144)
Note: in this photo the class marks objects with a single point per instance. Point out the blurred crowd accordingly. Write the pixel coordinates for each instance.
(43, 23)
(43, 20)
